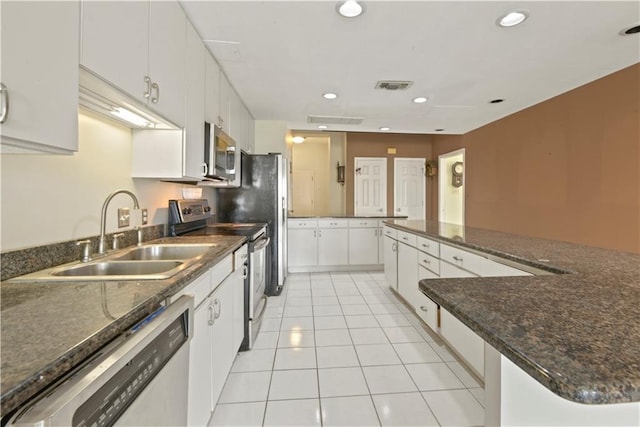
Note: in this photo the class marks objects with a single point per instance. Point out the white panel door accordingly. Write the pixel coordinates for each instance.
(302, 194)
(370, 186)
(409, 191)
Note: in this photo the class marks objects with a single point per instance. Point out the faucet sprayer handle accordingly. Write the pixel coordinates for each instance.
(139, 232)
(116, 241)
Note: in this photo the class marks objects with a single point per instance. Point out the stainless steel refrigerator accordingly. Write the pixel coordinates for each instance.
(262, 197)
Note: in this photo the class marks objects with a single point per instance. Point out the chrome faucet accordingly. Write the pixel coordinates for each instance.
(103, 216)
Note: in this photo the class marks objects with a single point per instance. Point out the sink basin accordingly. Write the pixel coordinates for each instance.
(119, 268)
(166, 252)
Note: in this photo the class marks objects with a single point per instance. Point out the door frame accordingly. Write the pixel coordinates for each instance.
(423, 160)
(443, 179)
(355, 184)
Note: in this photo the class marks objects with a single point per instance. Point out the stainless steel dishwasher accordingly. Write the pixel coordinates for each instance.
(140, 379)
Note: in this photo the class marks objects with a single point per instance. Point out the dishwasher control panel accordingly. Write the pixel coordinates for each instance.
(111, 400)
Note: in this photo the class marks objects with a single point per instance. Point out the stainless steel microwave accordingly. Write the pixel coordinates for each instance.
(220, 154)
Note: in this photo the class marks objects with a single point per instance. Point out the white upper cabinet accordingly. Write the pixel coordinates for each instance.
(238, 116)
(167, 32)
(115, 43)
(212, 90)
(139, 47)
(224, 105)
(194, 120)
(40, 49)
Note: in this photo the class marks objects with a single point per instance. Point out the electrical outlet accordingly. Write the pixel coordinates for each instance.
(123, 217)
(145, 216)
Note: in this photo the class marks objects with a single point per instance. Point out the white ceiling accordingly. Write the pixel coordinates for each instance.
(280, 56)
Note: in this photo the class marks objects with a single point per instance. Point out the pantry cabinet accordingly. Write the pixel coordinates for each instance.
(39, 97)
(138, 47)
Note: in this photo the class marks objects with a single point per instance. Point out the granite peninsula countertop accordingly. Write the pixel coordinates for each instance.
(48, 328)
(577, 333)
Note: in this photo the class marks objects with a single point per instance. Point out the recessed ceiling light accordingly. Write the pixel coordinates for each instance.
(496, 101)
(350, 8)
(384, 128)
(420, 100)
(323, 127)
(298, 139)
(513, 18)
(329, 95)
(632, 30)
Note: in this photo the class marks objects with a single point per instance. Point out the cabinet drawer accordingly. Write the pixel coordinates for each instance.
(391, 232)
(408, 238)
(429, 262)
(428, 311)
(200, 288)
(429, 246)
(363, 223)
(221, 270)
(333, 223)
(302, 223)
(477, 264)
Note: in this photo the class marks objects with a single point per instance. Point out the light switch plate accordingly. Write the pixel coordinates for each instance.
(123, 217)
(145, 216)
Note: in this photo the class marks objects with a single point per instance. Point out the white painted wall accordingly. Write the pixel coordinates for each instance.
(47, 199)
(270, 137)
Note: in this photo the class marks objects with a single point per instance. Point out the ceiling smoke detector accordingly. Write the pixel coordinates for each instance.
(393, 84)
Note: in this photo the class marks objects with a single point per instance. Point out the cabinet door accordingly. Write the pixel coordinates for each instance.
(237, 120)
(212, 90)
(167, 37)
(251, 133)
(427, 310)
(465, 342)
(223, 107)
(194, 118)
(200, 366)
(238, 306)
(333, 244)
(40, 48)
(222, 338)
(380, 246)
(391, 262)
(115, 43)
(408, 273)
(303, 247)
(363, 246)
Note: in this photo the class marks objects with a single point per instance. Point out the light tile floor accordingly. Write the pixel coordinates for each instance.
(340, 349)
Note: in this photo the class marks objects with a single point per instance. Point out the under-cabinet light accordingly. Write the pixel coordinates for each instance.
(130, 117)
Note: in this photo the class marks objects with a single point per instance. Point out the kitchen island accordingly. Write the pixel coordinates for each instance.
(575, 332)
(48, 328)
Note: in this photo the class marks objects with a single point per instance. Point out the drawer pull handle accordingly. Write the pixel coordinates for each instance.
(423, 308)
(425, 246)
(457, 258)
(426, 261)
(405, 238)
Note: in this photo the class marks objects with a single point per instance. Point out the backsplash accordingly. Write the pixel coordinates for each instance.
(25, 261)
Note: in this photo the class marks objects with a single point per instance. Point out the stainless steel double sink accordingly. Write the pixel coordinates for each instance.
(148, 262)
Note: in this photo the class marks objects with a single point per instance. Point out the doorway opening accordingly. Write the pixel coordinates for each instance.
(451, 183)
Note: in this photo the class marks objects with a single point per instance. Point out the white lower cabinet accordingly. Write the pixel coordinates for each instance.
(303, 247)
(363, 246)
(217, 333)
(391, 261)
(428, 311)
(333, 246)
(465, 342)
(408, 273)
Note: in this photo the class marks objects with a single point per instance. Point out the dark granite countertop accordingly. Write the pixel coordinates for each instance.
(577, 333)
(49, 327)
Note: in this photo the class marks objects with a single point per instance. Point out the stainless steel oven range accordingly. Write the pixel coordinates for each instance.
(192, 218)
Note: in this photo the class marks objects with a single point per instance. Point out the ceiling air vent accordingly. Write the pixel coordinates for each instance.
(335, 120)
(393, 84)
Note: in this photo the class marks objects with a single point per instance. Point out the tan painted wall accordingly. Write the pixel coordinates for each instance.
(365, 144)
(565, 169)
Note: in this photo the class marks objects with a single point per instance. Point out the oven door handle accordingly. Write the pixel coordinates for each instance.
(263, 244)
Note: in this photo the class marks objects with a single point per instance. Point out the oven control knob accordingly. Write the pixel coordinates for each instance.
(186, 211)
(207, 209)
